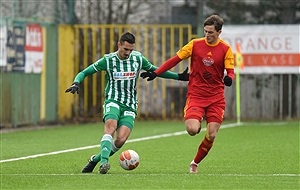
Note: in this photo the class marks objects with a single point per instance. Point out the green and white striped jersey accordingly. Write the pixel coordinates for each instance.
(121, 76)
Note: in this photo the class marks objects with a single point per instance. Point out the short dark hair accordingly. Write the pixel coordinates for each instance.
(127, 37)
(215, 20)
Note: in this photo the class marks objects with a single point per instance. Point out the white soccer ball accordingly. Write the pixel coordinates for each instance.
(129, 159)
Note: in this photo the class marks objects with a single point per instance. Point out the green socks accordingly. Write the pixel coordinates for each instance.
(114, 149)
(106, 146)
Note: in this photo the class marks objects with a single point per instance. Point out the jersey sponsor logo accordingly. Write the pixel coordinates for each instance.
(124, 75)
(129, 113)
(208, 61)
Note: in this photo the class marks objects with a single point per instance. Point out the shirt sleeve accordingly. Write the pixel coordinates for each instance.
(229, 59)
(186, 51)
(230, 73)
(93, 68)
(100, 64)
(86, 72)
(172, 62)
(146, 65)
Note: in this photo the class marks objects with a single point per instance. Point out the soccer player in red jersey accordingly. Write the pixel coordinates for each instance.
(210, 57)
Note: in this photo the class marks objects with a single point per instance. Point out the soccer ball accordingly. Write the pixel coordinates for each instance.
(129, 159)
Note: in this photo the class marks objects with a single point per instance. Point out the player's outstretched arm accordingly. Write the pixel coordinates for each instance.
(150, 75)
(163, 72)
(79, 78)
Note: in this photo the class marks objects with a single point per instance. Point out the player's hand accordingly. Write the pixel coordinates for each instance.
(227, 81)
(149, 74)
(184, 76)
(73, 88)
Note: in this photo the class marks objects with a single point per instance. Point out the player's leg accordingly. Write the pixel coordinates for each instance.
(124, 129)
(106, 142)
(111, 118)
(111, 113)
(106, 145)
(214, 117)
(206, 144)
(122, 135)
(193, 116)
(107, 139)
(97, 158)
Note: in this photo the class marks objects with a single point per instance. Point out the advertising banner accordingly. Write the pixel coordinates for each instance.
(266, 48)
(34, 49)
(15, 48)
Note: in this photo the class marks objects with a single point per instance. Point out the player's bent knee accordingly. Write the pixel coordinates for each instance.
(193, 126)
(192, 130)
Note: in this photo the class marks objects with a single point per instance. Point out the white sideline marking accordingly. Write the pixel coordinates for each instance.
(139, 174)
(129, 141)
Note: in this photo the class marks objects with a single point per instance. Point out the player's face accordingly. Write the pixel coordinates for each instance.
(211, 35)
(125, 49)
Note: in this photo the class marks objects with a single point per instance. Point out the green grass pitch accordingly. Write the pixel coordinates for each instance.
(250, 156)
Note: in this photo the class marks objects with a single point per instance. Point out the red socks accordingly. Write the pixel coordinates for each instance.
(203, 150)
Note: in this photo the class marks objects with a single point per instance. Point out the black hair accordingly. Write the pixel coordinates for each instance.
(127, 37)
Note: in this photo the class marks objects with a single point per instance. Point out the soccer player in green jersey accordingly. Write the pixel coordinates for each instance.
(120, 106)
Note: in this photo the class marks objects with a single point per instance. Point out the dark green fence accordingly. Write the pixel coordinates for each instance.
(20, 98)
(27, 98)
